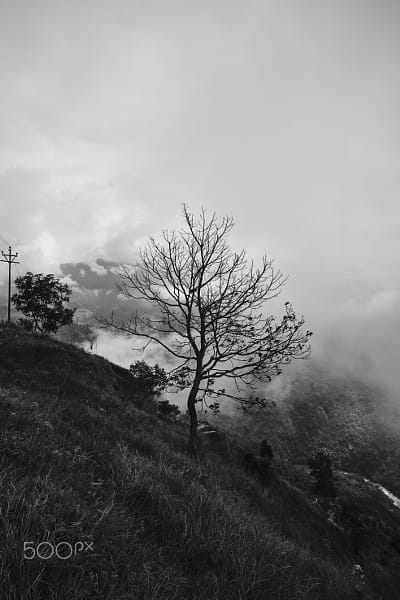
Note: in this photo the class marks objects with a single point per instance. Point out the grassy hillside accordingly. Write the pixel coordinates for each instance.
(84, 459)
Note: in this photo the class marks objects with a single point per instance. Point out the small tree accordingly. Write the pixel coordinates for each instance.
(40, 298)
(206, 313)
(149, 383)
(149, 379)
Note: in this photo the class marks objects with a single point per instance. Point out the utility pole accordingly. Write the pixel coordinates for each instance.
(9, 258)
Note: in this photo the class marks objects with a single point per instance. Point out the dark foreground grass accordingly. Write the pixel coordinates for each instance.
(81, 463)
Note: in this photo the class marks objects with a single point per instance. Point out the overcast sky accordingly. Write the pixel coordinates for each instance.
(284, 115)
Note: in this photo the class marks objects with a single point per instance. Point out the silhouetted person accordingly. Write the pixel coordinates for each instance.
(259, 466)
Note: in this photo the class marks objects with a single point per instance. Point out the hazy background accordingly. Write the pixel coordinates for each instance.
(283, 115)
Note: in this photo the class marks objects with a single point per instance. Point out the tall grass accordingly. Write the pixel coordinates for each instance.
(81, 463)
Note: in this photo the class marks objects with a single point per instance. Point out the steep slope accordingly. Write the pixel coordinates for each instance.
(87, 470)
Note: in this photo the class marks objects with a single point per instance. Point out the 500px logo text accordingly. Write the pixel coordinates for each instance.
(62, 550)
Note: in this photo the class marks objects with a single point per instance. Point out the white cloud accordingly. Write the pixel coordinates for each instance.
(284, 116)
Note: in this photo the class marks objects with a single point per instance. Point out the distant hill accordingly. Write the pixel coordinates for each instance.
(88, 465)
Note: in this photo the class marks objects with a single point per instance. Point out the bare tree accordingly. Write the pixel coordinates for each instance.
(206, 313)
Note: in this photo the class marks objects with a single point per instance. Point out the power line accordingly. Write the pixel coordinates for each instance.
(10, 259)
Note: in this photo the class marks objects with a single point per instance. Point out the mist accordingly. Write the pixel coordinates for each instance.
(354, 337)
(285, 117)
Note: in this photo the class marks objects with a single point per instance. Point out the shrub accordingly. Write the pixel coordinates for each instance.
(321, 470)
(166, 409)
(149, 379)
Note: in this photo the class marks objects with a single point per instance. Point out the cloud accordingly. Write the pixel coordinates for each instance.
(97, 274)
(281, 115)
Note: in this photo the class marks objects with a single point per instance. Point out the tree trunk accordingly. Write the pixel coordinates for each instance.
(194, 442)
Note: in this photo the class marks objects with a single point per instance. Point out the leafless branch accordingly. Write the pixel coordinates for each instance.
(205, 307)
